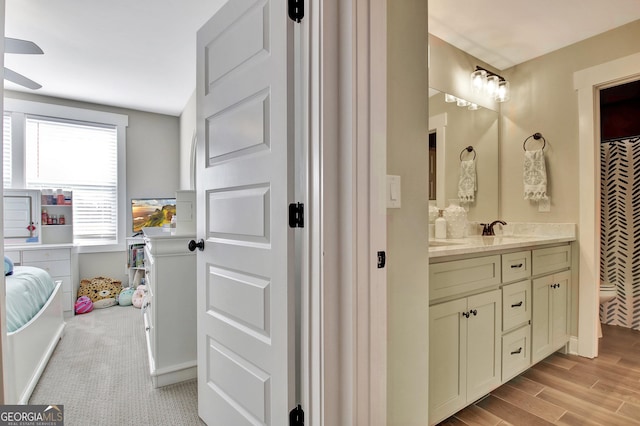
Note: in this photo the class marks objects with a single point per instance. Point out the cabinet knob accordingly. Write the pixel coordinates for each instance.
(517, 352)
(517, 305)
(474, 312)
(465, 314)
(516, 266)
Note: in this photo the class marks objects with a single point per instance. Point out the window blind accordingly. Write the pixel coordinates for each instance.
(81, 157)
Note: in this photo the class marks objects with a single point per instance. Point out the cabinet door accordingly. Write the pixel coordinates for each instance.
(550, 314)
(447, 353)
(559, 309)
(483, 343)
(541, 335)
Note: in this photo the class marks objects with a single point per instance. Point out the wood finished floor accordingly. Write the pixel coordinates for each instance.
(568, 389)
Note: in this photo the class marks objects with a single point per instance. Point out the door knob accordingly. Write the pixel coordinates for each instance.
(199, 245)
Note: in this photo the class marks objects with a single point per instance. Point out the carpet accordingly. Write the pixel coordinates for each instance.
(100, 373)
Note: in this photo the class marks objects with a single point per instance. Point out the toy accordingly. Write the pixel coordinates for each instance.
(101, 290)
(84, 305)
(125, 297)
(138, 296)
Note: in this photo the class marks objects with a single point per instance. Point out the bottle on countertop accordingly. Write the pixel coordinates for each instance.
(441, 226)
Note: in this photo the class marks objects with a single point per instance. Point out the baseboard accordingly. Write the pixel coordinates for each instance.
(573, 345)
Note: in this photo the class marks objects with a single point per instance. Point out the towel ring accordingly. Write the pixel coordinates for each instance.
(468, 149)
(536, 136)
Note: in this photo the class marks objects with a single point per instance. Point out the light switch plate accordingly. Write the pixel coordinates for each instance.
(393, 192)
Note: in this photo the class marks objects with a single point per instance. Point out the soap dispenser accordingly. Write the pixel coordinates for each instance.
(441, 226)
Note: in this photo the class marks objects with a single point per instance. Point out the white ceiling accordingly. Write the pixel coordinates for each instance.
(504, 33)
(141, 54)
(137, 54)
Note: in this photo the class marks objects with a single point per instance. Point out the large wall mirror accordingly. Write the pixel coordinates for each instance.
(452, 129)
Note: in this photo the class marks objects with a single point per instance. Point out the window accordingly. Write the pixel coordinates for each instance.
(74, 149)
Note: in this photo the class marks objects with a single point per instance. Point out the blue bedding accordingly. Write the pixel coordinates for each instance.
(28, 289)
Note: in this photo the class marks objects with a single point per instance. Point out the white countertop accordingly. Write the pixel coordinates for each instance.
(520, 236)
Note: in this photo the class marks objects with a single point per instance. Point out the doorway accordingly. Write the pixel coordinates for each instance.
(588, 83)
(619, 199)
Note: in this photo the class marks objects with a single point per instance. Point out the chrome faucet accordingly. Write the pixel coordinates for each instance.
(487, 228)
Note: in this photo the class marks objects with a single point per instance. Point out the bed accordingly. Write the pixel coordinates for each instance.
(35, 324)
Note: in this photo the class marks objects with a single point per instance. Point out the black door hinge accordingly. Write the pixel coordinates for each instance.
(296, 416)
(296, 215)
(382, 259)
(296, 10)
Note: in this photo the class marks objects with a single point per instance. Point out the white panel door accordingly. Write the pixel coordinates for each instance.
(246, 312)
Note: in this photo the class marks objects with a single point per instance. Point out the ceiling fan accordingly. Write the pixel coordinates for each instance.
(15, 45)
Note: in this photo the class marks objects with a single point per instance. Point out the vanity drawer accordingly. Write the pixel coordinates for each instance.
(551, 259)
(458, 277)
(516, 352)
(516, 304)
(516, 266)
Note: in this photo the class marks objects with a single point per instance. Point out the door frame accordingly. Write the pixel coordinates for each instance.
(588, 83)
(347, 319)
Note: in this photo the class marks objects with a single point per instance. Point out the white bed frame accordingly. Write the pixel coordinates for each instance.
(30, 347)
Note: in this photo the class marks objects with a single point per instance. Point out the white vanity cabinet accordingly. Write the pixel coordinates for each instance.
(490, 318)
(169, 308)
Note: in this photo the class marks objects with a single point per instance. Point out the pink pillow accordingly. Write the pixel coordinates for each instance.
(84, 305)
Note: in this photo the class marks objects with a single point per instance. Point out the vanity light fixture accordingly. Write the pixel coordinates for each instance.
(460, 102)
(490, 84)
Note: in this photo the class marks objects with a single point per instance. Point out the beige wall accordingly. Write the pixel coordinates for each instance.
(152, 170)
(407, 153)
(543, 100)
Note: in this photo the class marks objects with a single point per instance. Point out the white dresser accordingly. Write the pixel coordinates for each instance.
(59, 260)
(169, 308)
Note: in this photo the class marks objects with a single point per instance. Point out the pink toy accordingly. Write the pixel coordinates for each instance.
(83, 305)
(138, 296)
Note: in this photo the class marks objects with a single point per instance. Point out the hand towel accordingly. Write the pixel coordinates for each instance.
(535, 176)
(467, 184)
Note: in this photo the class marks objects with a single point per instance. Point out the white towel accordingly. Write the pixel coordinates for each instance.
(467, 184)
(535, 176)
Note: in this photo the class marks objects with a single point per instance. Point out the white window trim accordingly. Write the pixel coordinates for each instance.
(80, 114)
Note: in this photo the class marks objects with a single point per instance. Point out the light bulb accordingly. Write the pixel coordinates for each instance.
(449, 98)
(492, 85)
(478, 80)
(462, 102)
(503, 94)
(473, 107)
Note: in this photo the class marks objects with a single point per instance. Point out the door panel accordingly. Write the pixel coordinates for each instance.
(246, 314)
